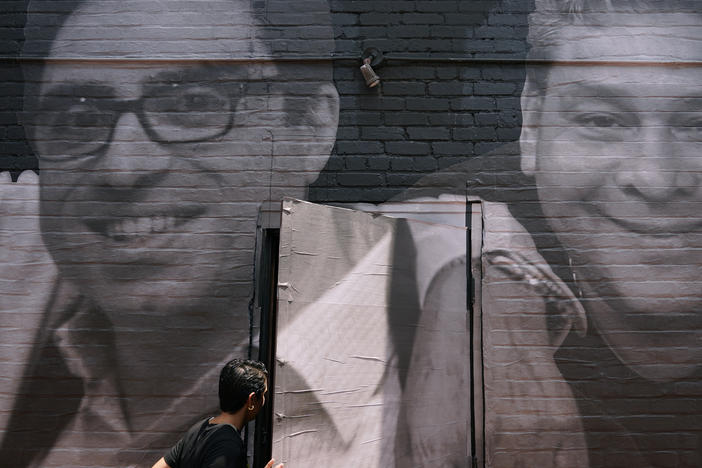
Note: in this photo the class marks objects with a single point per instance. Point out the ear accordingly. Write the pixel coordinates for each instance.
(310, 133)
(325, 111)
(251, 401)
(531, 103)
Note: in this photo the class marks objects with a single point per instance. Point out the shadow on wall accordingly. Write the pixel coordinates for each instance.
(428, 113)
(16, 155)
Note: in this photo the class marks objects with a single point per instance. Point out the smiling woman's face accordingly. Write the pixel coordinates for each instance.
(618, 165)
(152, 174)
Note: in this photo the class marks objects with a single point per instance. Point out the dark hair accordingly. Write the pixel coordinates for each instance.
(551, 16)
(238, 379)
(276, 21)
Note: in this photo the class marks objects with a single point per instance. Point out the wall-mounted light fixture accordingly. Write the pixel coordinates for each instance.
(371, 77)
(371, 57)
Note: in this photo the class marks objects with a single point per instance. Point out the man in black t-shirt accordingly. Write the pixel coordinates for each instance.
(216, 442)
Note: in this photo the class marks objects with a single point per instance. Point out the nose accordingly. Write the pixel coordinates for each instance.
(657, 173)
(131, 159)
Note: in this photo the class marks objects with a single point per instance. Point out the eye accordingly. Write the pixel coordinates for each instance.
(79, 118)
(187, 99)
(604, 126)
(82, 114)
(600, 120)
(201, 100)
(179, 112)
(690, 129)
(71, 126)
(198, 110)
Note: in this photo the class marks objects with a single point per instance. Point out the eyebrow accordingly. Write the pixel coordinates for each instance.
(591, 90)
(630, 90)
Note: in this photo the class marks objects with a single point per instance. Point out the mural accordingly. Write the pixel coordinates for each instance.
(590, 247)
(160, 131)
(589, 258)
(167, 133)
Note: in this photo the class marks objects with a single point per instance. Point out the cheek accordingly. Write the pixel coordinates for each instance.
(66, 192)
(572, 148)
(572, 171)
(55, 207)
(560, 192)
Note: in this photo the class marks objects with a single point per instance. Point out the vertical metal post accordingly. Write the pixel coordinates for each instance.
(474, 222)
(268, 303)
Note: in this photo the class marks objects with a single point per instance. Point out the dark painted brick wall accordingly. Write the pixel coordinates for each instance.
(427, 114)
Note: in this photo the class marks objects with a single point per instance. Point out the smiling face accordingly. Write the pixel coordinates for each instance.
(152, 174)
(616, 154)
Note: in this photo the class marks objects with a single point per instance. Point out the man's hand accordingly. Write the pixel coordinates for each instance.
(270, 464)
(27, 277)
(161, 464)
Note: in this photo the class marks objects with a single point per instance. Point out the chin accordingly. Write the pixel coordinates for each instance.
(672, 358)
(663, 373)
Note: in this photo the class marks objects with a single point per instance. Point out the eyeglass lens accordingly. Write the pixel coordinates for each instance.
(73, 123)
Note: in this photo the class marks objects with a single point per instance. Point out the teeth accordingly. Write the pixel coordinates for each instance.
(135, 227)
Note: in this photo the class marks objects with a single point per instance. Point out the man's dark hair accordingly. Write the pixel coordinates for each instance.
(240, 377)
(549, 17)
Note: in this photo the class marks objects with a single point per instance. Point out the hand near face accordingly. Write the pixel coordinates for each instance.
(27, 276)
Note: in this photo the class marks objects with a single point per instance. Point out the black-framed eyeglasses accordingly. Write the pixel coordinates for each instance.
(71, 124)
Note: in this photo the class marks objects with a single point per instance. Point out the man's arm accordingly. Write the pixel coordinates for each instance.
(162, 464)
(173, 456)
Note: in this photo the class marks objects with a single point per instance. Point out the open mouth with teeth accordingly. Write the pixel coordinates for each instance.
(131, 228)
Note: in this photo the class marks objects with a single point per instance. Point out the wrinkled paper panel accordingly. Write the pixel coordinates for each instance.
(366, 347)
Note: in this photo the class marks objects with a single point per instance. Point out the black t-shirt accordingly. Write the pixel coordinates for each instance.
(208, 445)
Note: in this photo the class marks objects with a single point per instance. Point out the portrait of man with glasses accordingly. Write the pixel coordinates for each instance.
(163, 132)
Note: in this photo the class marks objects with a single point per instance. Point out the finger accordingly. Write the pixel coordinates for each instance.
(269, 464)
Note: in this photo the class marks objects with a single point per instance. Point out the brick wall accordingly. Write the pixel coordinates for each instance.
(431, 109)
